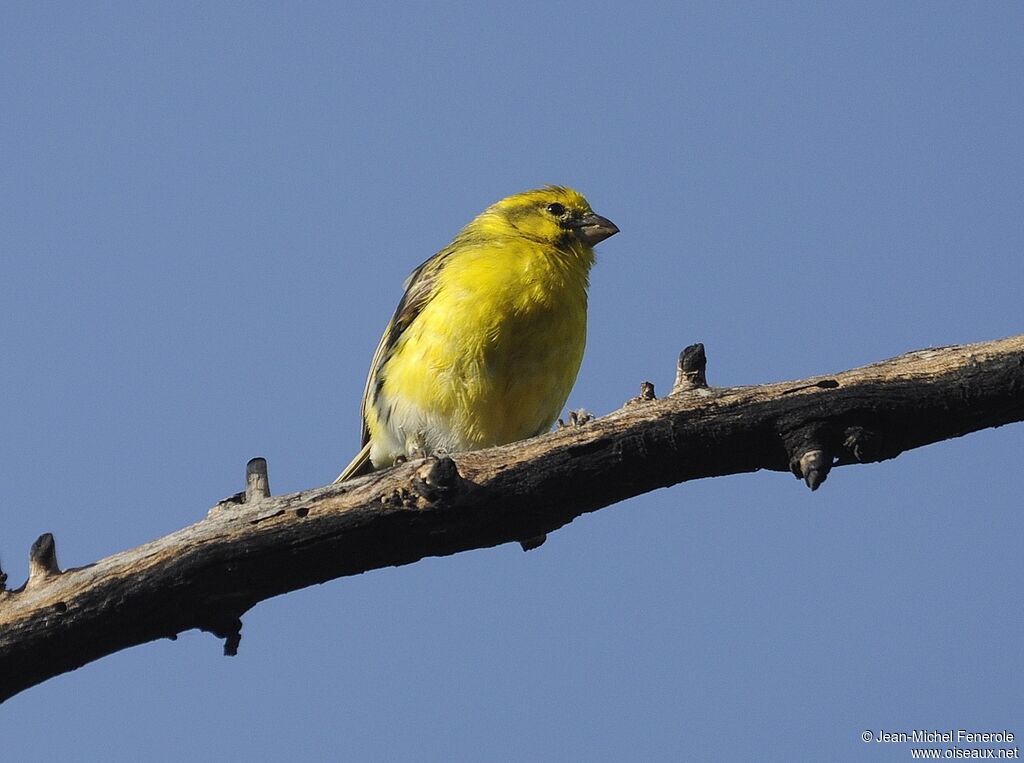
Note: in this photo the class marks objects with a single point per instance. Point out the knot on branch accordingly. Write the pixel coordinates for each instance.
(529, 544)
(863, 445)
(577, 418)
(257, 483)
(813, 466)
(42, 561)
(810, 453)
(437, 478)
(691, 370)
(229, 628)
(646, 394)
(257, 486)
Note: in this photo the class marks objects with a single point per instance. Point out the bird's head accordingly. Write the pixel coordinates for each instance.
(551, 215)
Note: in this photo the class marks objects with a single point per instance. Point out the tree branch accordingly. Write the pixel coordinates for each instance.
(251, 547)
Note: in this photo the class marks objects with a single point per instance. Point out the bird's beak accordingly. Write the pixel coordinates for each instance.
(593, 229)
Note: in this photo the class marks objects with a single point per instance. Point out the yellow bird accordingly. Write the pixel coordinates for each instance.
(487, 340)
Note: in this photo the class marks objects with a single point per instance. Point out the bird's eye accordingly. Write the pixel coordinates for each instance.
(556, 209)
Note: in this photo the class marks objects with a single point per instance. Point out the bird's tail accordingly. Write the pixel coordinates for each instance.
(360, 465)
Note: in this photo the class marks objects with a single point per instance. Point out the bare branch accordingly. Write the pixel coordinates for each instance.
(251, 547)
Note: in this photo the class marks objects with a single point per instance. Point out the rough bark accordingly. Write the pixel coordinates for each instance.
(252, 546)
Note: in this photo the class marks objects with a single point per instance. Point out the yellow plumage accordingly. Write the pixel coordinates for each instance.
(487, 340)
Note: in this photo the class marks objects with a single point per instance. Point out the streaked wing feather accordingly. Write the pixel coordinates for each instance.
(419, 290)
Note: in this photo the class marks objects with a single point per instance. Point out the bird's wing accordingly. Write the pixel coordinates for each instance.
(358, 466)
(420, 288)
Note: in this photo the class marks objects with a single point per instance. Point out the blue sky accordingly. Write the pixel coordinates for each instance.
(206, 214)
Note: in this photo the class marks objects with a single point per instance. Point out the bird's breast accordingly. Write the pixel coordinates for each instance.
(492, 357)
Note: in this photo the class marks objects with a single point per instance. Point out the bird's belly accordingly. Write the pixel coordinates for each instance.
(525, 380)
(483, 381)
